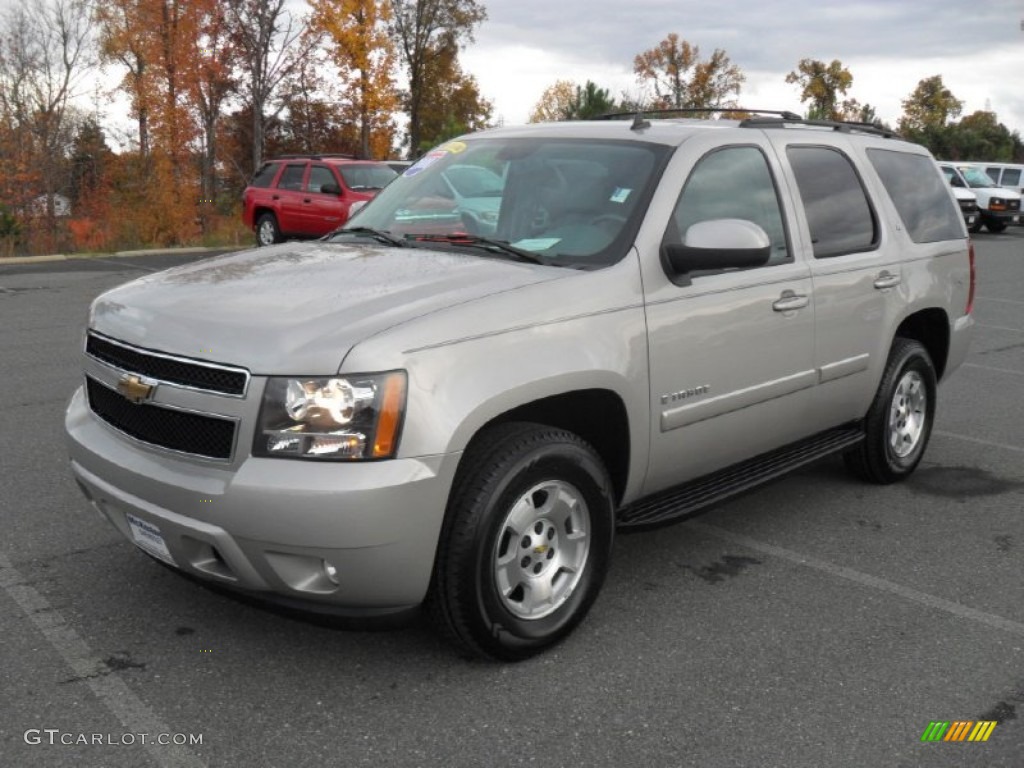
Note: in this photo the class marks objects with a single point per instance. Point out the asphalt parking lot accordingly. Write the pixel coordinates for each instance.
(817, 622)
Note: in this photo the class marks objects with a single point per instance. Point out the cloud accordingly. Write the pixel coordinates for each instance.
(888, 45)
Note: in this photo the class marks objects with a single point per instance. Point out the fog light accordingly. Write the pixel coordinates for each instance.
(331, 572)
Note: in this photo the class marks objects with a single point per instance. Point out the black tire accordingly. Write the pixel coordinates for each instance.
(976, 226)
(899, 422)
(267, 231)
(996, 226)
(514, 473)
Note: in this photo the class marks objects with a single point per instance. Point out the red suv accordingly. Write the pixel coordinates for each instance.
(308, 195)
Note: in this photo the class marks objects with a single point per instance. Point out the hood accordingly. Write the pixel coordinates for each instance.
(298, 308)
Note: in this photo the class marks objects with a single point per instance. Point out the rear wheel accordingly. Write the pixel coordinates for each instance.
(267, 231)
(526, 542)
(899, 422)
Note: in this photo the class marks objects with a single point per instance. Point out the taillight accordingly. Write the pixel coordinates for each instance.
(970, 291)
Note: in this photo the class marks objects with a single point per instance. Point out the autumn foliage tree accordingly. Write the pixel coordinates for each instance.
(823, 85)
(356, 33)
(565, 100)
(429, 32)
(451, 101)
(682, 80)
(43, 56)
(930, 105)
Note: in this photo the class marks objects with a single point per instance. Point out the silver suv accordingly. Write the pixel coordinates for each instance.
(459, 406)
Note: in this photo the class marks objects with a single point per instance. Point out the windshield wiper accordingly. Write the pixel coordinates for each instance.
(475, 241)
(378, 234)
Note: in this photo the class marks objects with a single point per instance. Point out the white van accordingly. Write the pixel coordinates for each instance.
(968, 202)
(998, 207)
(1009, 175)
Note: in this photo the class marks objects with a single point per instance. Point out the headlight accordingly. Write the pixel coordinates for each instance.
(997, 204)
(331, 417)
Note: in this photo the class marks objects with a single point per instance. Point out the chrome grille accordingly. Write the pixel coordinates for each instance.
(182, 431)
(168, 368)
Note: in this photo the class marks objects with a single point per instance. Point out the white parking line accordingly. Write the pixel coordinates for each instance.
(979, 441)
(108, 687)
(1005, 301)
(864, 579)
(999, 327)
(992, 368)
(123, 264)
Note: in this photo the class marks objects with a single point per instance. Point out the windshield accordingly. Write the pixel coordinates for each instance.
(368, 176)
(976, 178)
(573, 202)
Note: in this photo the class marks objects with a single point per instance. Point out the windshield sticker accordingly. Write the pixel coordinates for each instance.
(620, 195)
(455, 147)
(537, 243)
(425, 162)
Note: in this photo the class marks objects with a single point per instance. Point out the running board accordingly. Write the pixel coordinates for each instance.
(683, 500)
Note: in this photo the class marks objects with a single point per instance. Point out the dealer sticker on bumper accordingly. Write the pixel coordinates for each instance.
(148, 537)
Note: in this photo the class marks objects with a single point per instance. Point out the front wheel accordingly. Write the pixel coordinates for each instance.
(996, 226)
(899, 422)
(526, 542)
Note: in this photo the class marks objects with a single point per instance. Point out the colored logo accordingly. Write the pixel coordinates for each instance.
(959, 730)
(135, 388)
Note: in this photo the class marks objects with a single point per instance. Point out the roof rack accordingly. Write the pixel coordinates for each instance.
(642, 113)
(317, 156)
(763, 118)
(844, 126)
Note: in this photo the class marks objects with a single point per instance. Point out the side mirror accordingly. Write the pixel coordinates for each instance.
(330, 189)
(718, 244)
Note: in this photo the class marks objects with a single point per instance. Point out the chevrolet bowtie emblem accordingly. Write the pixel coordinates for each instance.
(135, 388)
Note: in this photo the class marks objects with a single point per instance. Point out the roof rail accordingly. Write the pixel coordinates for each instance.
(844, 126)
(640, 114)
(317, 156)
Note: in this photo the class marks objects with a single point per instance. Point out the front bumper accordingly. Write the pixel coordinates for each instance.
(353, 539)
(1006, 217)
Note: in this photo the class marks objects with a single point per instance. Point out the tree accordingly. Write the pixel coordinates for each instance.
(980, 136)
(213, 82)
(682, 80)
(426, 31)
(822, 85)
(122, 37)
(451, 101)
(930, 105)
(569, 101)
(270, 45)
(356, 31)
(315, 117)
(555, 103)
(43, 58)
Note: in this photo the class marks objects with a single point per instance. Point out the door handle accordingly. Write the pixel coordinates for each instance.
(306, 200)
(789, 301)
(275, 197)
(887, 280)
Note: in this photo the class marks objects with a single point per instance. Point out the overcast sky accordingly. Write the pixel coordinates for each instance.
(888, 46)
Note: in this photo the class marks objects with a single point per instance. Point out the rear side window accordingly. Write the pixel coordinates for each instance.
(1011, 177)
(838, 212)
(265, 176)
(292, 177)
(916, 189)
